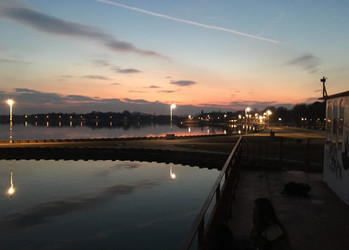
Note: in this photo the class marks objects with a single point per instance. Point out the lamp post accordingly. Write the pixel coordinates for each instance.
(173, 106)
(248, 109)
(268, 114)
(10, 102)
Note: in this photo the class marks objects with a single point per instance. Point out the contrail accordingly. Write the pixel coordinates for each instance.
(212, 27)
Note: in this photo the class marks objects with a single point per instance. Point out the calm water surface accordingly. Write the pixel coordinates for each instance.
(22, 132)
(99, 204)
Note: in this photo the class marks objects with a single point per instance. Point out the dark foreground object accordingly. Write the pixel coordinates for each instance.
(294, 188)
(207, 160)
(319, 220)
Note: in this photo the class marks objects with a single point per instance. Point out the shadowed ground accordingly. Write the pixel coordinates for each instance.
(318, 221)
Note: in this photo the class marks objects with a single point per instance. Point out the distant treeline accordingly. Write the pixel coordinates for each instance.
(305, 115)
(101, 118)
(309, 115)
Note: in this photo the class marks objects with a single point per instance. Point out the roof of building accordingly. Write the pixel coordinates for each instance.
(346, 93)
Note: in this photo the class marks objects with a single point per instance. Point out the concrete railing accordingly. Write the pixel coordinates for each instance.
(218, 205)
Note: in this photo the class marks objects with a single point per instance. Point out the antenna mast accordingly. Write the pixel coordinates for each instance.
(324, 91)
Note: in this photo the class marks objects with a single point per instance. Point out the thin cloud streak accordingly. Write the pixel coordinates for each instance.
(153, 87)
(183, 83)
(126, 71)
(307, 62)
(59, 27)
(96, 77)
(167, 91)
(212, 27)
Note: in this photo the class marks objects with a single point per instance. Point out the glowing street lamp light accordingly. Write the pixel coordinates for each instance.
(268, 115)
(173, 106)
(248, 109)
(10, 102)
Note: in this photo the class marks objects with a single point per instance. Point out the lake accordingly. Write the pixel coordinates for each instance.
(99, 204)
(27, 132)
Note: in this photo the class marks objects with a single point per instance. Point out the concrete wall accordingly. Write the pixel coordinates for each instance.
(336, 156)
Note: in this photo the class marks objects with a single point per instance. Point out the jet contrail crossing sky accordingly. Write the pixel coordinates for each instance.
(212, 27)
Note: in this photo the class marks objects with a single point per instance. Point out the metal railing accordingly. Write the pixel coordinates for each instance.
(280, 153)
(223, 191)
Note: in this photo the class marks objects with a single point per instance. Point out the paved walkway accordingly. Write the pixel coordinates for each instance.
(319, 221)
(292, 132)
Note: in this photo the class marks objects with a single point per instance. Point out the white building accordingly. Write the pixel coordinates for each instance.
(336, 156)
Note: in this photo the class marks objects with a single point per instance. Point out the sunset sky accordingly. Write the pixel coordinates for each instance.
(106, 55)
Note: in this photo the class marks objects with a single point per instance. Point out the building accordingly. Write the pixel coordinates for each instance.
(336, 155)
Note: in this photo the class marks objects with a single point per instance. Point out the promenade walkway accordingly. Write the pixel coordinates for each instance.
(319, 221)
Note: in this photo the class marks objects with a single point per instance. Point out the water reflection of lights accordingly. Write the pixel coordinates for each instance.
(172, 107)
(10, 102)
(172, 174)
(189, 129)
(11, 190)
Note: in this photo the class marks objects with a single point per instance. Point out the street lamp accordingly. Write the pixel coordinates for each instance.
(173, 106)
(248, 109)
(268, 114)
(10, 102)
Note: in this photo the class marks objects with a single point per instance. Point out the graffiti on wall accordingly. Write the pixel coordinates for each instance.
(345, 151)
(337, 155)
